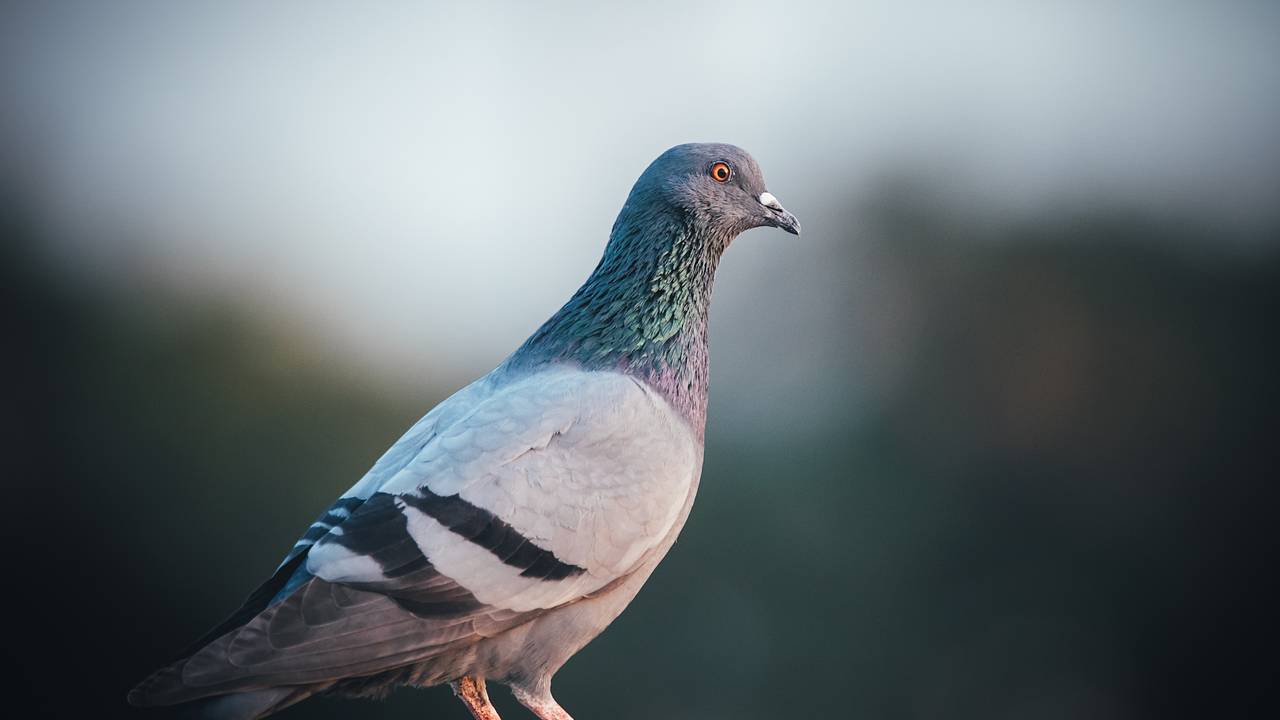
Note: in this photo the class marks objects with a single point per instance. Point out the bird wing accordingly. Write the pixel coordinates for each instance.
(541, 493)
(400, 454)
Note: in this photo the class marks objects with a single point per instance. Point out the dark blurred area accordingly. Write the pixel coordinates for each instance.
(1063, 506)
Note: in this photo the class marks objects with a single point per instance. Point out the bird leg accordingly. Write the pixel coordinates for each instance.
(540, 703)
(470, 689)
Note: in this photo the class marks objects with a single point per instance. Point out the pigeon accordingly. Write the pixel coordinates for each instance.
(517, 519)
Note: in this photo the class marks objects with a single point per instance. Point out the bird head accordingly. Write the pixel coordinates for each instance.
(717, 186)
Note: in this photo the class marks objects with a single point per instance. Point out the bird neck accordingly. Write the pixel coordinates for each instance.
(643, 311)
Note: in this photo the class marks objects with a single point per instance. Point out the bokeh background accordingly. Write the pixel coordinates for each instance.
(996, 438)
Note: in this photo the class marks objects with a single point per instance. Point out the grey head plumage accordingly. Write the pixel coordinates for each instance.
(686, 182)
(512, 523)
(644, 309)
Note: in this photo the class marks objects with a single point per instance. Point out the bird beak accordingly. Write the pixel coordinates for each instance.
(777, 216)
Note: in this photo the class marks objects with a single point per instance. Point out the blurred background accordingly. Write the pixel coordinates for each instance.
(996, 438)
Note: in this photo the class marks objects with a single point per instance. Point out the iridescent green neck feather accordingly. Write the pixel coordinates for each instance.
(643, 311)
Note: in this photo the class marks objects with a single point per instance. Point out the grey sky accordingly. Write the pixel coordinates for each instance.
(424, 183)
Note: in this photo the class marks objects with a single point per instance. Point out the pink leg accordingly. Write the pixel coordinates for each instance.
(540, 703)
(471, 691)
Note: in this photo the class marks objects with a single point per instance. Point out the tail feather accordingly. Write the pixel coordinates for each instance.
(157, 688)
(164, 687)
(244, 705)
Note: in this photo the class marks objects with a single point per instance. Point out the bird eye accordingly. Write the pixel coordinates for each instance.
(720, 172)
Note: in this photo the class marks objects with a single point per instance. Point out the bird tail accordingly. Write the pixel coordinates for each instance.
(166, 686)
(244, 705)
(236, 705)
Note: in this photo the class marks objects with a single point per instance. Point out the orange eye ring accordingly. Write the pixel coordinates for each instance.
(721, 172)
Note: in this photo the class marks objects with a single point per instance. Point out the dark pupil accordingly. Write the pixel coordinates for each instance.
(722, 172)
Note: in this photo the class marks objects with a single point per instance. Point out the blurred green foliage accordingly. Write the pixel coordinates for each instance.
(1062, 507)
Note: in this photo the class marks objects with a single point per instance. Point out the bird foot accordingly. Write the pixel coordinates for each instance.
(471, 691)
